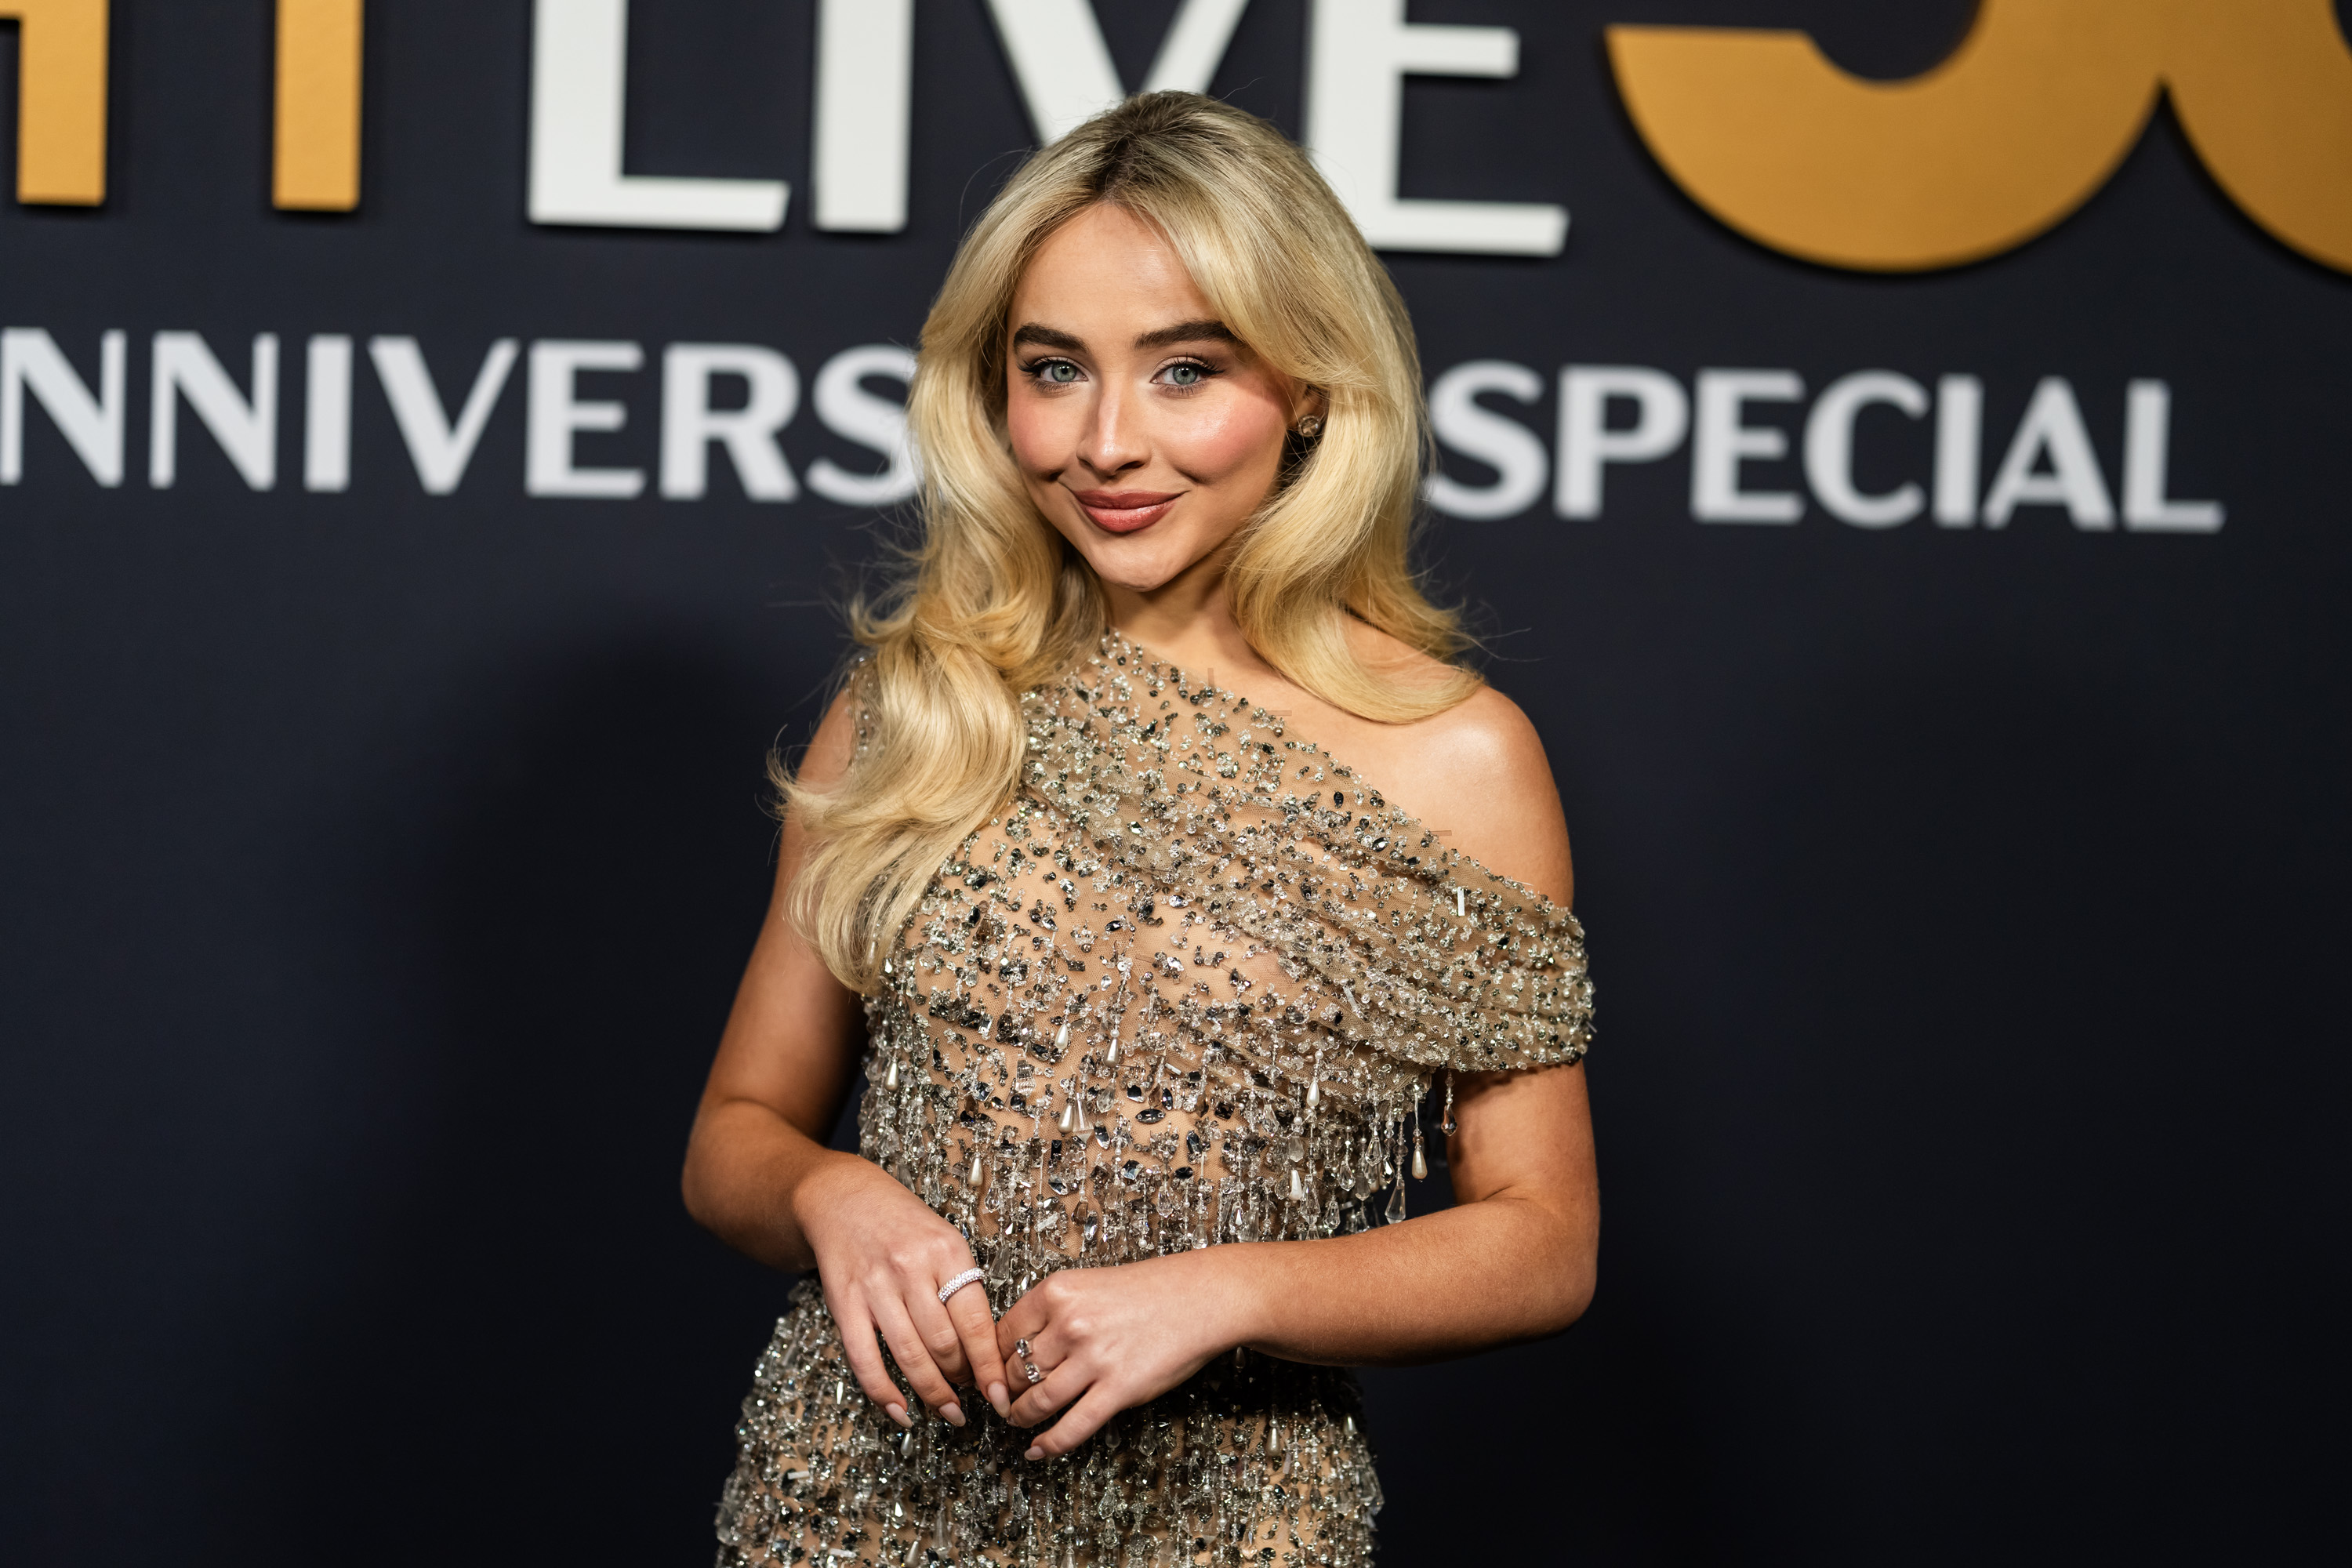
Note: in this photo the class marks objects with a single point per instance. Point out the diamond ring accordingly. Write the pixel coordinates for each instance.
(969, 1277)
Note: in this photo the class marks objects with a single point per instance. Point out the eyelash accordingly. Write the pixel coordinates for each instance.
(1035, 371)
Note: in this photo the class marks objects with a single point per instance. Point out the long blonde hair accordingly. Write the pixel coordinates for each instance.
(993, 602)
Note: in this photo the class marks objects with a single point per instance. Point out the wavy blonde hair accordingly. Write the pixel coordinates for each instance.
(993, 602)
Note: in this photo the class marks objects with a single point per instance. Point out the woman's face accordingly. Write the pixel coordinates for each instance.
(1147, 434)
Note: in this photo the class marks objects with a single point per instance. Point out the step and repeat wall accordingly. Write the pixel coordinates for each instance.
(1897, 455)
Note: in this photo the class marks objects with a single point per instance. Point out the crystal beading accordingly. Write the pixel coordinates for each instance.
(1188, 987)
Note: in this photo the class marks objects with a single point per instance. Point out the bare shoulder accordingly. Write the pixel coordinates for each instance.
(1477, 774)
(1487, 742)
(1482, 780)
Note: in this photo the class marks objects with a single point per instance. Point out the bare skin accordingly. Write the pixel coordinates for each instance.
(1147, 437)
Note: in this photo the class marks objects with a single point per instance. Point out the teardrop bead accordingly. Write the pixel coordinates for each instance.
(890, 1078)
(1419, 1159)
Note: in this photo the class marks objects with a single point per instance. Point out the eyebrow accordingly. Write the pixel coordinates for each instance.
(1203, 330)
(1199, 332)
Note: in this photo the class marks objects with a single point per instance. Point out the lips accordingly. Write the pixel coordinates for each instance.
(1124, 511)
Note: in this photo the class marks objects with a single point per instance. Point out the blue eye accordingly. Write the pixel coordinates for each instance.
(1060, 372)
(1184, 375)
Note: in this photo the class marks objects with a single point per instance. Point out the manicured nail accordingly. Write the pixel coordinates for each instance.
(1001, 1397)
(953, 1411)
(899, 1413)
(1034, 1453)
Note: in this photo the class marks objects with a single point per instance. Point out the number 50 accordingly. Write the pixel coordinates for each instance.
(2021, 125)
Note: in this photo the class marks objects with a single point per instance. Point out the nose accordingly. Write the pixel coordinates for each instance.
(1113, 440)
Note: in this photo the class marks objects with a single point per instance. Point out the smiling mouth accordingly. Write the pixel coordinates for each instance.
(1124, 511)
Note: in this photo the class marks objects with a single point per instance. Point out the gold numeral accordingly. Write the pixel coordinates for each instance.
(2264, 90)
(2020, 126)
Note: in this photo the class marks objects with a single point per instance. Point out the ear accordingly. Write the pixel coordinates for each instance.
(1309, 400)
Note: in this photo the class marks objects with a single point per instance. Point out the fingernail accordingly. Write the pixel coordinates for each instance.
(1034, 1453)
(999, 1396)
(899, 1413)
(953, 1411)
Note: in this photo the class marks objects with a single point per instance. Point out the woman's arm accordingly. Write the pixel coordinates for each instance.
(1514, 1260)
(759, 1176)
(784, 1066)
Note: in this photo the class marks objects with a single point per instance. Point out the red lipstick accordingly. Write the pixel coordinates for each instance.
(1124, 511)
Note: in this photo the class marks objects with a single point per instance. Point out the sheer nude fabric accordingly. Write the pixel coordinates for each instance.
(1189, 988)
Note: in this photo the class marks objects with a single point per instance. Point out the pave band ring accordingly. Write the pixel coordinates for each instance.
(969, 1277)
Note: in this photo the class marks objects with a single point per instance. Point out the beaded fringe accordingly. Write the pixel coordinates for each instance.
(1189, 989)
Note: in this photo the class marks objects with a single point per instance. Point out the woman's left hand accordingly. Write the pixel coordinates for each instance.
(1107, 1339)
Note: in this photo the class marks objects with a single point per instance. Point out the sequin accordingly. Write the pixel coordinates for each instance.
(1254, 992)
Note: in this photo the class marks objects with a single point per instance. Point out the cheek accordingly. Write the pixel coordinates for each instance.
(1233, 440)
(1040, 431)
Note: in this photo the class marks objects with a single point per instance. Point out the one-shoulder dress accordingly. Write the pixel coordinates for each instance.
(1190, 987)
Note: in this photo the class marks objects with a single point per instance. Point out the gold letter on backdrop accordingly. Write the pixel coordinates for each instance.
(2025, 121)
(318, 55)
(60, 100)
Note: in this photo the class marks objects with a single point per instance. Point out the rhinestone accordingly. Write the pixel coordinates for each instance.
(1270, 1097)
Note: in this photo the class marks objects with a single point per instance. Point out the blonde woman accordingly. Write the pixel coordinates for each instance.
(1159, 862)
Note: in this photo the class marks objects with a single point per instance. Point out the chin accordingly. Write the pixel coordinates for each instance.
(1138, 563)
(1137, 576)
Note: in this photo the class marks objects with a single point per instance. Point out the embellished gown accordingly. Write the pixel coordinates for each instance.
(1189, 988)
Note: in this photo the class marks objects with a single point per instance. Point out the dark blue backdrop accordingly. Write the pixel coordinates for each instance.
(374, 868)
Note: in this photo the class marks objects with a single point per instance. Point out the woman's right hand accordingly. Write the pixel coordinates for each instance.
(882, 1256)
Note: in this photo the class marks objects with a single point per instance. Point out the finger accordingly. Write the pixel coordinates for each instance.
(1025, 1320)
(940, 1338)
(968, 1309)
(922, 1373)
(865, 1353)
(1083, 1421)
(1065, 1381)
